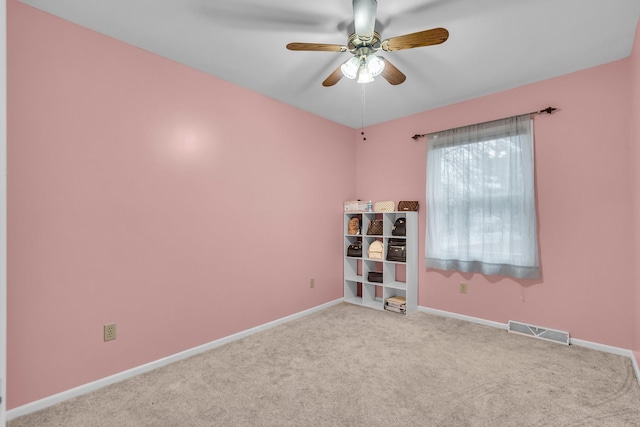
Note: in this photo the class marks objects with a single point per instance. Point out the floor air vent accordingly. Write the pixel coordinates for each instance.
(537, 332)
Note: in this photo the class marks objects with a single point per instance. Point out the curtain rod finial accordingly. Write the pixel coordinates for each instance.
(415, 137)
(548, 110)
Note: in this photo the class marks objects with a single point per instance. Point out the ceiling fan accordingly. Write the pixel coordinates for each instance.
(365, 42)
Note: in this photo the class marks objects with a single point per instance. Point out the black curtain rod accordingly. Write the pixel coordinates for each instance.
(548, 110)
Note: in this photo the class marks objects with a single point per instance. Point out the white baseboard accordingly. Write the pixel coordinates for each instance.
(463, 317)
(580, 343)
(95, 385)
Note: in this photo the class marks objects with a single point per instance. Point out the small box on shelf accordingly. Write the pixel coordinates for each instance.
(355, 206)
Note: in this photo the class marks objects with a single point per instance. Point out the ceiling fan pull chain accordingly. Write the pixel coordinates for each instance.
(364, 88)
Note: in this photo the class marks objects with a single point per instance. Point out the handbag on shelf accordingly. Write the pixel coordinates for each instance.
(386, 206)
(374, 276)
(355, 249)
(399, 227)
(408, 205)
(376, 250)
(397, 250)
(375, 227)
(354, 226)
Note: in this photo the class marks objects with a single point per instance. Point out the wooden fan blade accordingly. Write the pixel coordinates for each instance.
(333, 78)
(392, 74)
(321, 47)
(419, 39)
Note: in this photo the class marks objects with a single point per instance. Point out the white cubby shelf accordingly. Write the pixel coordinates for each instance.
(398, 278)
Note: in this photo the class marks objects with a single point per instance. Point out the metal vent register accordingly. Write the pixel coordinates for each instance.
(547, 334)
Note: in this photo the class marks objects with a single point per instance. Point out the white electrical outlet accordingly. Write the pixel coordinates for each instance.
(110, 331)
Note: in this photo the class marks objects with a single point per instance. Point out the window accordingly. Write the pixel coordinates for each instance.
(481, 213)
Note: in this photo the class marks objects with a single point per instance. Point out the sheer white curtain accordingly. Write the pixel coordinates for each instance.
(481, 212)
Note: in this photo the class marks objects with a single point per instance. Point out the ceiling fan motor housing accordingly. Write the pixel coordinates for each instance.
(364, 17)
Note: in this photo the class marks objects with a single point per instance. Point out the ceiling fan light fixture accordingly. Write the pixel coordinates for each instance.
(350, 68)
(364, 76)
(375, 65)
(364, 17)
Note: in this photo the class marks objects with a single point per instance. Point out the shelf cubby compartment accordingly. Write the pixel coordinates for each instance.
(352, 269)
(393, 292)
(369, 296)
(351, 292)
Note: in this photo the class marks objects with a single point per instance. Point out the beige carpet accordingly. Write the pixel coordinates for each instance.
(354, 366)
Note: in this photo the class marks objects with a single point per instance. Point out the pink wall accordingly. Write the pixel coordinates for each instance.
(583, 188)
(145, 193)
(148, 194)
(635, 165)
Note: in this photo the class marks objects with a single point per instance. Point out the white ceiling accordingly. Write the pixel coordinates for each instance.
(493, 45)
